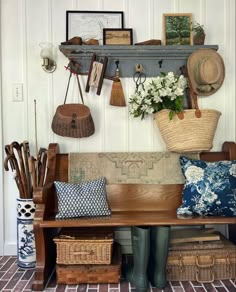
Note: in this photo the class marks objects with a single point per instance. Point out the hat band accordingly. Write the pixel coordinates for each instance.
(208, 87)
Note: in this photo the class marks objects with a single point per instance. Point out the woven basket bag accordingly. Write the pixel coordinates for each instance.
(73, 120)
(190, 134)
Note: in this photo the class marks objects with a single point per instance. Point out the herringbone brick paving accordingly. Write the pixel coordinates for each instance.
(15, 279)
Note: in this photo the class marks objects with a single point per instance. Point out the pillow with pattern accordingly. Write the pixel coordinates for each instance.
(88, 199)
(209, 189)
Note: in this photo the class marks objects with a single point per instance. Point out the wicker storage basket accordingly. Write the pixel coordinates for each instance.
(76, 247)
(203, 265)
(75, 274)
(189, 134)
(73, 120)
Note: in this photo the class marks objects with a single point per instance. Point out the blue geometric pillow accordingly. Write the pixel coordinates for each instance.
(87, 199)
(209, 189)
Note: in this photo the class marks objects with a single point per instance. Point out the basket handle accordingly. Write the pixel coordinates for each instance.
(79, 86)
(193, 94)
(207, 265)
(83, 252)
(206, 281)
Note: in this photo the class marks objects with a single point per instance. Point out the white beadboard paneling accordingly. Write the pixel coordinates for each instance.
(138, 19)
(11, 33)
(140, 134)
(229, 57)
(88, 5)
(159, 7)
(190, 6)
(39, 82)
(96, 104)
(1, 159)
(114, 5)
(115, 122)
(61, 75)
(59, 19)
(13, 112)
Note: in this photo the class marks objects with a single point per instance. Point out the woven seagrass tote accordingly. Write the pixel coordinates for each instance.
(190, 134)
(73, 120)
(192, 130)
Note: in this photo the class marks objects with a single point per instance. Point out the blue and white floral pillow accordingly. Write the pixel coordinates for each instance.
(209, 189)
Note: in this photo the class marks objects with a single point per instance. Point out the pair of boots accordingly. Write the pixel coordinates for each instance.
(150, 252)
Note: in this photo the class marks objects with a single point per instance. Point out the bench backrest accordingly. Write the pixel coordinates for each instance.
(135, 196)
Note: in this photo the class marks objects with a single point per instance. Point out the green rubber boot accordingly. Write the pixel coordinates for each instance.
(137, 274)
(160, 236)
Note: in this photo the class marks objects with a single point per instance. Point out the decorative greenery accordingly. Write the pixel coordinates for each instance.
(198, 29)
(163, 92)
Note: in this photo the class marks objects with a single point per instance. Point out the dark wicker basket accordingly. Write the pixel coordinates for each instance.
(73, 120)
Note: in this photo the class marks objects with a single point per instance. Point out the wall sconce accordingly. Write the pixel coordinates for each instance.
(46, 54)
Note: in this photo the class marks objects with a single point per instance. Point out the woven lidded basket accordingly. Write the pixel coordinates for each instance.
(75, 274)
(73, 120)
(191, 134)
(202, 265)
(75, 247)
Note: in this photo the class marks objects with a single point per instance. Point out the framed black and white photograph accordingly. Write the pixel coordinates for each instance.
(177, 29)
(90, 24)
(115, 36)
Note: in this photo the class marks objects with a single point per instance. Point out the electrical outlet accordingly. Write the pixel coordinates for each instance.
(17, 92)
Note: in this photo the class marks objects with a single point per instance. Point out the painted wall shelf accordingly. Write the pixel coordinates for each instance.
(154, 59)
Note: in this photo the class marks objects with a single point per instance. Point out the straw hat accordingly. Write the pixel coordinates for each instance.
(206, 71)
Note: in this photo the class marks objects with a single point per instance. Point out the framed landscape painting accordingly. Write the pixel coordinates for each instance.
(115, 36)
(177, 29)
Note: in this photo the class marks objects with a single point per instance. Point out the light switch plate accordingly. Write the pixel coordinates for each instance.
(17, 92)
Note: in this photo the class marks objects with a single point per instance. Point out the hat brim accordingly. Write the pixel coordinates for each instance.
(193, 60)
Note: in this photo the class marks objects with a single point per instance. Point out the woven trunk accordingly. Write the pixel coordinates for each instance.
(203, 265)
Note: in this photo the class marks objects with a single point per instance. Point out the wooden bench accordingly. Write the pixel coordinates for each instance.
(131, 204)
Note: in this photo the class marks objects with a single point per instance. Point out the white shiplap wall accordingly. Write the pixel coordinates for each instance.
(26, 23)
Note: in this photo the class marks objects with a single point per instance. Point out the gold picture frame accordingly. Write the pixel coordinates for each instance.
(116, 36)
(177, 29)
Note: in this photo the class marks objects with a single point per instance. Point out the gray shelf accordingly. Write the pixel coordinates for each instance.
(154, 59)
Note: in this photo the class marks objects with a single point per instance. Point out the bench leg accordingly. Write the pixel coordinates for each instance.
(232, 232)
(45, 256)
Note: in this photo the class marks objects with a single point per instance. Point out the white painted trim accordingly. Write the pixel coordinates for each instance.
(10, 249)
(1, 158)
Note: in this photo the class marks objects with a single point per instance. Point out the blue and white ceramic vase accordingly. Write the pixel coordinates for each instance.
(26, 255)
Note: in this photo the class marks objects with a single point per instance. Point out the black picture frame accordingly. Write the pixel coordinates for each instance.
(90, 24)
(116, 36)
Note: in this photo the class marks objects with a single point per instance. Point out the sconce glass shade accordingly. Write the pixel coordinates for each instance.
(46, 54)
(46, 50)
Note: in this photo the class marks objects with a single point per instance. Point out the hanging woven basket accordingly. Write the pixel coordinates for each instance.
(190, 134)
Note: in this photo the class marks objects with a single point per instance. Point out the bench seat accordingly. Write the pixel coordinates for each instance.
(134, 218)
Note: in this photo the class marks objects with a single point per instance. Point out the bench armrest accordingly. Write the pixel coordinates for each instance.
(45, 199)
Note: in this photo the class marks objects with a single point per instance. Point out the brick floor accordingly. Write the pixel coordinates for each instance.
(15, 279)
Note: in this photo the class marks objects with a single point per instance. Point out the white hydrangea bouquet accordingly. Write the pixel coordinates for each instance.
(163, 92)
